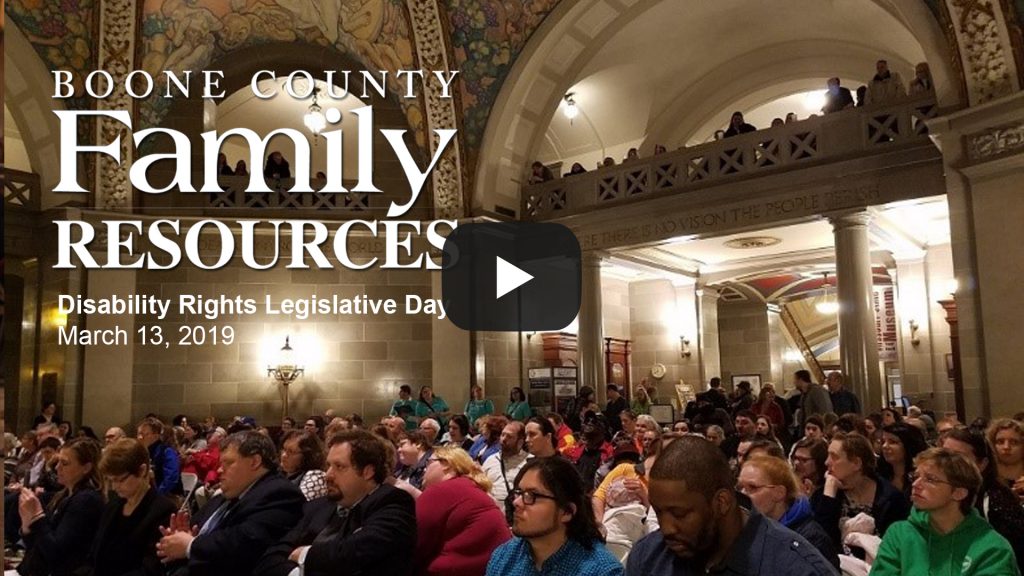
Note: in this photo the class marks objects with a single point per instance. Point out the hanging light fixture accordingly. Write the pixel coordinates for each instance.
(314, 119)
(570, 109)
(828, 304)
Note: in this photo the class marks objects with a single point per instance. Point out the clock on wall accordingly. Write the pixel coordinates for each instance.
(658, 371)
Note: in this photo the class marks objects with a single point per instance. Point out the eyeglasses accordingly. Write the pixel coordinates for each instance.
(800, 459)
(751, 488)
(529, 497)
(928, 479)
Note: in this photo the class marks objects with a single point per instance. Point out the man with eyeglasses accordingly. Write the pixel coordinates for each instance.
(703, 528)
(945, 534)
(554, 528)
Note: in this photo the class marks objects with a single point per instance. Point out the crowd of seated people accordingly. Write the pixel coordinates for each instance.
(885, 87)
(737, 484)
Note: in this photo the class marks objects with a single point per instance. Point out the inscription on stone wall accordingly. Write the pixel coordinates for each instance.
(732, 216)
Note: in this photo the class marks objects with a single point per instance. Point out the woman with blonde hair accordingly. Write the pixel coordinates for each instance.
(458, 524)
(770, 484)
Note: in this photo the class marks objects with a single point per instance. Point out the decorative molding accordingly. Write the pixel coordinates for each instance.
(995, 141)
(432, 51)
(116, 56)
(985, 49)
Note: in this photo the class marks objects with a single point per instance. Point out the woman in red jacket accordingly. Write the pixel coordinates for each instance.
(458, 524)
(766, 406)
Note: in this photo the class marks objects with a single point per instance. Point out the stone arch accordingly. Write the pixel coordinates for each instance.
(187, 114)
(28, 91)
(561, 48)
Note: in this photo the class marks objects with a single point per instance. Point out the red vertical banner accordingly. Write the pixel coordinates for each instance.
(885, 323)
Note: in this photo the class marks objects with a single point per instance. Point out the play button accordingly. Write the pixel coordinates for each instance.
(508, 277)
(511, 276)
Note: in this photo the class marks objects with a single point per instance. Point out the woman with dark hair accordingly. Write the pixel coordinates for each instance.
(996, 503)
(303, 459)
(129, 528)
(478, 406)
(540, 173)
(241, 169)
(768, 407)
(86, 432)
(900, 445)
(518, 407)
(58, 538)
(808, 461)
(553, 521)
(852, 486)
(48, 415)
(891, 416)
(738, 126)
(458, 433)
(577, 412)
(430, 405)
(277, 167)
(814, 427)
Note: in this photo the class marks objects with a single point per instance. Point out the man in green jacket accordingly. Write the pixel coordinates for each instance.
(944, 535)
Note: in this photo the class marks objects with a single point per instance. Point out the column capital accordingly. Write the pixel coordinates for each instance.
(593, 257)
(849, 220)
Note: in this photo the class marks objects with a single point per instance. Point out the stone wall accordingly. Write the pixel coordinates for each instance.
(353, 363)
(745, 341)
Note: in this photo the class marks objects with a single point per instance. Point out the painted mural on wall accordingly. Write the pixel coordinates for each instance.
(184, 35)
(486, 38)
(62, 33)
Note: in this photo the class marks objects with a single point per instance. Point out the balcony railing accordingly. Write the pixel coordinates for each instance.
(21, 190)
(851, 133)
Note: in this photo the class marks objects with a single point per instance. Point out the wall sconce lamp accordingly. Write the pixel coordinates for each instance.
(530, 335)
(684, 347)
(914, 327)
(286, 371)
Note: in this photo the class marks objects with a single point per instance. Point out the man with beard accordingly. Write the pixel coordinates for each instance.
(503, 467)
(554, 527)
(704, 530)
(358, 527)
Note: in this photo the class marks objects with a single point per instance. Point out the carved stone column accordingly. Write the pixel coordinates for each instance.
(116, 55)
(431, 47)
(858, 340)
(983, 152)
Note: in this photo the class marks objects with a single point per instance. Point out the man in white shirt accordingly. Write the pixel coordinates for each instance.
(503, 467)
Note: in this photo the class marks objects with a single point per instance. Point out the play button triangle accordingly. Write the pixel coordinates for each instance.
(509, 277)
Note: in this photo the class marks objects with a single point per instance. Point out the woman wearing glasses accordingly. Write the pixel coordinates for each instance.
(458, 524)
(129, 529)
(772, 489)
(945, 534)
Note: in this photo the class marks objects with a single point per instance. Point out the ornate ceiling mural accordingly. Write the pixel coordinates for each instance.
(183, 35)
(486, 38)
(63, 32)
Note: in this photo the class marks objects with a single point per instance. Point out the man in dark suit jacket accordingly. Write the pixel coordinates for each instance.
(257, 507)
(362, 526)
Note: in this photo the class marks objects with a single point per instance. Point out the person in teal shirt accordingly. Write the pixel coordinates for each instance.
(405, 407)
(430, 406)
(478, 406)
(518, 408)
(945, 534)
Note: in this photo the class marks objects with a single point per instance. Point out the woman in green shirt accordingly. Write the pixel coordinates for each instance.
(430, 406)
(642, 400)
(478, 406)
(518, 408)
